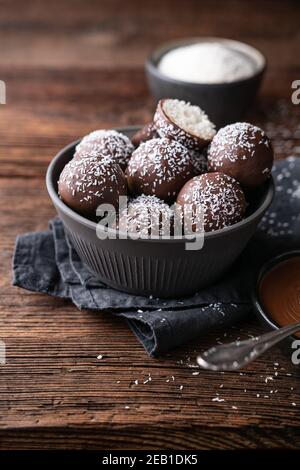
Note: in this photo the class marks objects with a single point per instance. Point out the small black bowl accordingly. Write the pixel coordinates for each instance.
(223, 102)
(259, 308)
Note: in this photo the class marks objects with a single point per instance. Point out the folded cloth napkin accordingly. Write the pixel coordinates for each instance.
(47, 262)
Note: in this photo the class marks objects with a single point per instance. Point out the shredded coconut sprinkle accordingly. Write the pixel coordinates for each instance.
(146, 215)
(235, 142)
(106, 143)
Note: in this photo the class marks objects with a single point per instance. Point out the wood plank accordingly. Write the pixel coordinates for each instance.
(67, 33)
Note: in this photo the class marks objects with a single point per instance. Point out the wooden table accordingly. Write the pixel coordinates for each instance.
(71, 67)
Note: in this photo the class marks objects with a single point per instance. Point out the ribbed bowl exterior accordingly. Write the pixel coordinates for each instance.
(161, 268)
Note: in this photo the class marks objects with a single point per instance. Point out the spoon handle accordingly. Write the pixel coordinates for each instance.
(233, 356)
(276, 336)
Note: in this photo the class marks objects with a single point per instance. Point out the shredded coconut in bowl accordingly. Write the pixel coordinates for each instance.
(207, 62)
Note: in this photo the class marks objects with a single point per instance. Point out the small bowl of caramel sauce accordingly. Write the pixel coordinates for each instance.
(277, 294)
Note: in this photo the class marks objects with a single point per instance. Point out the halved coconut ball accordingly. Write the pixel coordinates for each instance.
(183, 122)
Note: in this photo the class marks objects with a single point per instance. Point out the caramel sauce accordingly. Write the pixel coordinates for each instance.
(279, 292)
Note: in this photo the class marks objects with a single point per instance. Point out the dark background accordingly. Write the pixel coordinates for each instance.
(70, 67)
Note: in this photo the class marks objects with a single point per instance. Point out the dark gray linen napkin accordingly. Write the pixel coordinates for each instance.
(47, 262)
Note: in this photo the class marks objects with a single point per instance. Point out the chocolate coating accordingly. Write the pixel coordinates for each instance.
(146, 215)
(242, 151)
(159, 167)
(85, 184)
(220, 198)
(147, 132)
(106, 143)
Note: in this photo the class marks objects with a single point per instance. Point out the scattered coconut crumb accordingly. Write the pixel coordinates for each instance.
(269, 377)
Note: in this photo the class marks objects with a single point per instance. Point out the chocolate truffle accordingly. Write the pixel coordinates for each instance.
(183, 122)
(218, 195)
(146, 133)
(85, 184)
(242, 151)
(105, 143)
(159, 167)
(146, 215)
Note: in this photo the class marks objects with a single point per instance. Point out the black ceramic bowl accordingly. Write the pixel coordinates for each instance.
(158, 267)
(259, 308)
(223, 102)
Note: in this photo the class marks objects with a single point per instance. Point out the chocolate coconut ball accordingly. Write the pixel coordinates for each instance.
(147, 132)
(242, 151)
(159, 167)
(85, 184)
(220, 198)
(106, 143)
(146, 215)
(183, 122)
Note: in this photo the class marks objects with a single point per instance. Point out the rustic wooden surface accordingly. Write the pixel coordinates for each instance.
(71, 67)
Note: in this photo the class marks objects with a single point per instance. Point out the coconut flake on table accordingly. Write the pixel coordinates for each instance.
(207, 62)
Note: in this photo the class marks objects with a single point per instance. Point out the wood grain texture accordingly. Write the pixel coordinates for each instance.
(75, 66)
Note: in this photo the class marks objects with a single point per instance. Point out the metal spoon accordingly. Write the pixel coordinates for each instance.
(234, 356)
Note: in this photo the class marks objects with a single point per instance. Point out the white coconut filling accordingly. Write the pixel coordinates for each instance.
(189, 118)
